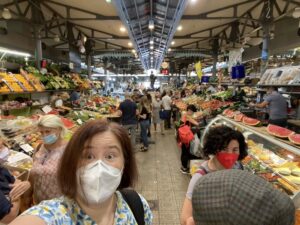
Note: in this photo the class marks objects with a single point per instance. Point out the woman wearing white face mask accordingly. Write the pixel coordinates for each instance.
(97, 163)
(43, 176)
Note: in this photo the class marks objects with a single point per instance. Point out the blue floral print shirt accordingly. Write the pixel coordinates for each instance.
(64, 211)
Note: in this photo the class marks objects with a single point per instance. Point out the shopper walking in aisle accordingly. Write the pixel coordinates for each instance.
(238, 197)
(157, 105)
(43, 175)
(166, 103)
(149, 97)
(224, 147)
(144, 116)
(277, 107)
(186, 156)
(97, 165)
(128, 111)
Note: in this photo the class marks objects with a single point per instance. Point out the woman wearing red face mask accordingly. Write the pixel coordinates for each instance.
(224, 148)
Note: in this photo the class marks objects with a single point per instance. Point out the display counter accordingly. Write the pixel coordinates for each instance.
(274, 159)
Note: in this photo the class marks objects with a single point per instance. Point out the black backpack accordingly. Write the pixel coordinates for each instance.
(135, 203)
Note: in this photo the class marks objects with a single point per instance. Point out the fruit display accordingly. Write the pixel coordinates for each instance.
(180, 105)
(250, 121)
(68, 123)
(278, 131)
(193, 100)
(238, 117)
(223, 95)
(214, 105)
(24, 82)
(32, 80)
(34, 139)
(12, 83)
(294, 138)
(229, 113)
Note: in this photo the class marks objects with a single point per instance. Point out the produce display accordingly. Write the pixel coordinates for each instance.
(239, 117)
(281, 76)
(294, 138)
(102, 105)
(278, 131)
(250, 121)
(224, 95)
(273, 168)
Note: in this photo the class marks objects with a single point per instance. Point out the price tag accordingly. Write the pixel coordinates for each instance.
(46, 109)
(27, 148)
(79, 121)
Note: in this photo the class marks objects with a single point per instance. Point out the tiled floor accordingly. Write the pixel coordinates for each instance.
(160, 180)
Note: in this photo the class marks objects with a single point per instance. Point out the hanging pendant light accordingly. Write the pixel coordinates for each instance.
(151, 24)
(6, 14)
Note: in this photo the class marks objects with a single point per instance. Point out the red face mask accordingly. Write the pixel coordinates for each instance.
(227, 159)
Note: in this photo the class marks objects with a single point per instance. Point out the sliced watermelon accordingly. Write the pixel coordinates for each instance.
(250, 121)
(295, 138)
(225, 111)
(278, 131)
(230, 114)
(68, 123)
(239, 117)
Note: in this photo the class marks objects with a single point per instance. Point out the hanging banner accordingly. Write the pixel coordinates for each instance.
(235, 56)
(198, 68)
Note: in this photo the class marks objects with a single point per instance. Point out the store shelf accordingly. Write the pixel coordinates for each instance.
(34, 92)
(277, 85)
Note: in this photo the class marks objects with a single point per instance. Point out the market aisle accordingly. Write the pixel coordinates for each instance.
(160, 180)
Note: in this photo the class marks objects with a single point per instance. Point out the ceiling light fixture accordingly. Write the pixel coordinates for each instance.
(179, 28)
(151, 47)
(108, 1)
(6, 14)
(56, 38)
(129, 44)
(151, 53)
(151, 24)
(169, 49)
(173, 43)
(296, 13)
(122, 29)
(11, 52)
(151, 41)
(133, 51)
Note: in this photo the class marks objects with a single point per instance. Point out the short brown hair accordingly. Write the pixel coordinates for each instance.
(74, 151)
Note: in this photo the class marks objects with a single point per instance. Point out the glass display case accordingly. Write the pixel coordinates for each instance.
(274, 159)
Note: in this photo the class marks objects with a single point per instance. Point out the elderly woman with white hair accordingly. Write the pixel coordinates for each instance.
(43, 175)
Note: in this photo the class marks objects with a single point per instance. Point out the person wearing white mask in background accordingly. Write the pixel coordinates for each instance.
(96, 167)
(43, 175)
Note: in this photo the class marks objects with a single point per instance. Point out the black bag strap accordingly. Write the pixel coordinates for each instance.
(135, 203)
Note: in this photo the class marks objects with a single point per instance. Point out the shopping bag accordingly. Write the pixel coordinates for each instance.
(185, 134)
(195, 146)
(163, 114)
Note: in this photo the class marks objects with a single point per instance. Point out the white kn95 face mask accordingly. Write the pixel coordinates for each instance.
(98, 181)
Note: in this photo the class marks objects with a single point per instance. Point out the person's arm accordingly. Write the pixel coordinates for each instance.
(192, 121)
(186, 212)
(187, 208)
(18, 189)
(13, 213)
(28, 220)
(261, 105)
